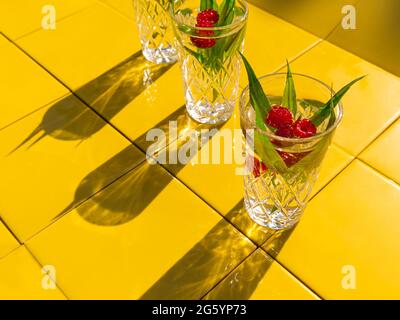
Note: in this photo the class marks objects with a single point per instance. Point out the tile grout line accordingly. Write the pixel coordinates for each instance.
(57, 21)
(69, 89)
(83, 201)
(10, 230)
(223, 278)
(10, 252)
(293, 275)
(41, 266)
(378, 171)
(34, 111)
(115, 10)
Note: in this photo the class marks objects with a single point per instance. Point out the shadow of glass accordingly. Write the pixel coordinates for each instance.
(241, 283)
(274, 244)
(143, 180)
(108, 95)
(221, 250)
(239, 217)
(104, 175)
(126, 198)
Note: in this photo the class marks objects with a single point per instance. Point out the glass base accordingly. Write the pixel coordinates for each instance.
(160, 55)
(270, 217)
(208, 113)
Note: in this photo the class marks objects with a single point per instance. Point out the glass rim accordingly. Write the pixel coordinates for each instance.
(240, 22)
(296, 140)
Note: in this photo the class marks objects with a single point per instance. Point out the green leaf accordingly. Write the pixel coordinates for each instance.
(197, 55)
(226, 12)
(239, 12)
(326, 110)
(314, 158)
(208, 4)
(309, 103)
(256, 91)
(266, 151)
(185, 12)
(289, 95)
(261, 105)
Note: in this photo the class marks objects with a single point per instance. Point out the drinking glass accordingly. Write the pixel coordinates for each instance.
(155, 32)
(209, 60)
(276, 197)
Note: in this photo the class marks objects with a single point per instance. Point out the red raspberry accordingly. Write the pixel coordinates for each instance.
(258, 167)
(286, 132)
(208, 15)
(279, 117)
(291, 159)
(204, 42)
(304, 128)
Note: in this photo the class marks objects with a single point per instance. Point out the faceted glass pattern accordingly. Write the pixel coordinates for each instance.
(156, 36)
(276, 197)
(210, 61)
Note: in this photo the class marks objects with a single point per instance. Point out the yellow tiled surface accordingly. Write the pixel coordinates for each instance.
(149, 228)
(54, 159)
(25, 87)
(84, 45)
(260, 277)
(384, 152)
(7, 241)
(265, 44)
(369, 107)
(21, 17)
(21, 277)
(347, 225)
(123, 6)
(77, 192)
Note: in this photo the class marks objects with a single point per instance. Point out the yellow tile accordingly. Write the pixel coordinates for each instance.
(384, 154)
(270, 40)
(318, 17)
(84, 45)
(21, 277)
(369, 107)
(335, 161)
(7, 241)
(345, 246)
(123, 6)
(259, 277)
(54, 159)
(19, 17)
(25, 86)
(145, 236)
(156, 102)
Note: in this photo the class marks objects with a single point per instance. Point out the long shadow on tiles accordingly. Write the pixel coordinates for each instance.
(108, 95)
(143, 185)
(212, 259)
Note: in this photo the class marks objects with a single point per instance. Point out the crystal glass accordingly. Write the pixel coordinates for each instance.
(209, 60)
(155, 32)
(276, 197)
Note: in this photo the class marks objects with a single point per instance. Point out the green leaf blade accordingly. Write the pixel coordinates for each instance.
(261, 105)
(255, 89)
(326, 110)
(289, 94)
(226, 12)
